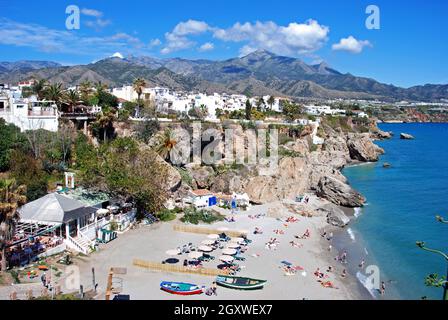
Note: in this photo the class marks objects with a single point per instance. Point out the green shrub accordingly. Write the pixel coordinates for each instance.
(167, 215)
(194, 216)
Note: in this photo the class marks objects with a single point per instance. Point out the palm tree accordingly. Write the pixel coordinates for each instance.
(55, 93)
(248, 110)
(260, 103)
(105, 122)
(11, 198)
(71, 98)
(85, 88)
(166, 143)
(39, 88)
(138, 85)
(271, 101)
(99, 86)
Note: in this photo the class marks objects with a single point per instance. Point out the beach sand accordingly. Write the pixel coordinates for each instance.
(151, 242)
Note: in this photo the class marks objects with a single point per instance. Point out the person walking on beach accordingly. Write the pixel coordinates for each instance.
(361, 264)
(43, 278)
(330, 236)
(383, 288)
(214, 288)
(344, 257)
(344, 273)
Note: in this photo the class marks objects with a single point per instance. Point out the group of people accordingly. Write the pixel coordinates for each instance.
(26, 252)
(306, 235)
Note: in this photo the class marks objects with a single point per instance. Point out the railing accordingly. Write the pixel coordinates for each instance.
(86, 238)
(75, 244)
(41, 113)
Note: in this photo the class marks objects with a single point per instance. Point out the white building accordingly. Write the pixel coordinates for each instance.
(27, 114)
(323, 110)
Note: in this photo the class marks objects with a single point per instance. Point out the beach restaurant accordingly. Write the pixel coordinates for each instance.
(66, 218)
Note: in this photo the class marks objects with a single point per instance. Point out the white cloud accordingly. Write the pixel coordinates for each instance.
(91, 12)
(207, 46)
(295, 38)
(190, 27)
(98, 23)
(155, 43)
(63, 41)
(177, 39)
(351, 44)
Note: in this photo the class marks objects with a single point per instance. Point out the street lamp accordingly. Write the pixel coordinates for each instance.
(433, 279)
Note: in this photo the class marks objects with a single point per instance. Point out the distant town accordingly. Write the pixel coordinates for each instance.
(21, 106)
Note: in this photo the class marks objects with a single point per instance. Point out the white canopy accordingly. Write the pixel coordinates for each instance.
(208, 242)
(229, 252)
(195, 255)
(205, 248)
(54, 209)
(173, 252)
(226, 258)
(213, 236)
(233, 245)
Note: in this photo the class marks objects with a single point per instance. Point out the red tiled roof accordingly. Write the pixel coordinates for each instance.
(202, 192)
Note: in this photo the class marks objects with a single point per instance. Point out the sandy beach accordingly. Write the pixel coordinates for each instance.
(151, 243)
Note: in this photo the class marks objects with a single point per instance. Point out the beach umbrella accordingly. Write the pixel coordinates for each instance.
(195, 255)
(226, 258)
(287, 263)
(233, 245)
(102, 211)
(205, 248)
(237, 240)
(174, 252)
(213, 236)
(229, 252)
(208, 242)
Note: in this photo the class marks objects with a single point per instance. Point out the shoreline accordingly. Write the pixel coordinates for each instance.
(260, 262)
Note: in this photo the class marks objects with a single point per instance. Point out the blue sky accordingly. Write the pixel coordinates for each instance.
(407, 50)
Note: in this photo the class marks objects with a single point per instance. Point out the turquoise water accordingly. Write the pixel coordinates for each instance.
(402, 202)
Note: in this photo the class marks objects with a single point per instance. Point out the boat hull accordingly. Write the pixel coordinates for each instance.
(183, 293)
(180, 288)
(240, 283)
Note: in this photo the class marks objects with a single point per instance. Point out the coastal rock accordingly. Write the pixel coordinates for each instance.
(228, 182)
(290, 180)
(362, 148)
(300, 146)
(173, 177)
(406, 136)
(382, 135)
(202, 176)
(339, 192)
(335, 215)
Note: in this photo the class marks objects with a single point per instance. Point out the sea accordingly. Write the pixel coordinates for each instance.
(402, 202)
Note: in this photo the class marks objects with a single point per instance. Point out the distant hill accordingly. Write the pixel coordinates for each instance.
(259, 73)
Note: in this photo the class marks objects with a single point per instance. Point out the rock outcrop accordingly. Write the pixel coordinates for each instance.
(362, 148)
(290, 180)
(335, 215)
(339, 193)
(406, 136)
(202, 175)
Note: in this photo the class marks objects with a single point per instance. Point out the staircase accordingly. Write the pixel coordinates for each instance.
(80, 243)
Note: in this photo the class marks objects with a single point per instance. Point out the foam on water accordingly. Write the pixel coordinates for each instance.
(351, 234)
(358, 212)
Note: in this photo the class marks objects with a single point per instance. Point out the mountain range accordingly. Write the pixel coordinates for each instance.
(259, 73)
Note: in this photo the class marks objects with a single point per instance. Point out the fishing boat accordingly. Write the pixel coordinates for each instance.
(181, 288)
(240, 283)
